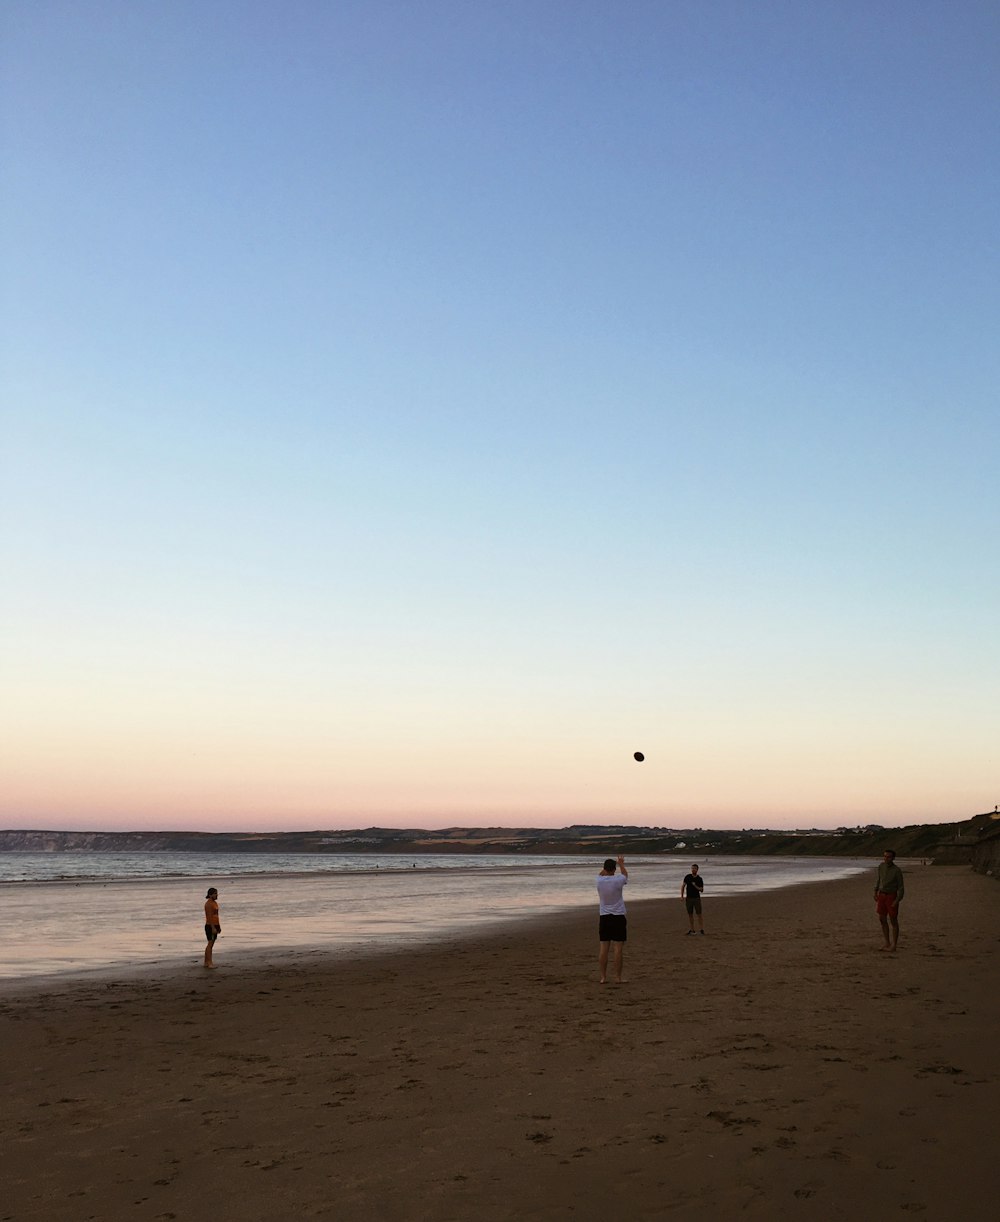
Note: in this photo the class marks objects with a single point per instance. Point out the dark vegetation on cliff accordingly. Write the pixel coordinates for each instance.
(942, 842)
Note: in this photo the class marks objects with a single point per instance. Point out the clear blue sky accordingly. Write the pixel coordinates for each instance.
(412, 410)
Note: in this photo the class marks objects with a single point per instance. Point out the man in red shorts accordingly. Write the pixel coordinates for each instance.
(888, 893)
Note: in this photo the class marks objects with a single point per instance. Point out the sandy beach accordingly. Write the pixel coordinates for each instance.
(782, 1064)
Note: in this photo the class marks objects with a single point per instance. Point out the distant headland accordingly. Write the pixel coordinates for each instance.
(941, 842)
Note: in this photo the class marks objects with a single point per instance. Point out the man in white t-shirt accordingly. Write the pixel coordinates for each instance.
(613, 922)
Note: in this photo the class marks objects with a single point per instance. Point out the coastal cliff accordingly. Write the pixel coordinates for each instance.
(971, 841)
(986, 851)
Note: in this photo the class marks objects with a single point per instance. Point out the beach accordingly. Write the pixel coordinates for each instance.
(781, 1064)
(59, 926)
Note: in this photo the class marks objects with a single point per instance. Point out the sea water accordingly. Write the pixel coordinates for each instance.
(79, 913)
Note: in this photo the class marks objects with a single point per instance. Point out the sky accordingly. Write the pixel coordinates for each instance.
(411, 411)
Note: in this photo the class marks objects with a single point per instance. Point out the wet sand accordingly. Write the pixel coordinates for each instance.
(780, 1065)
(101, 925)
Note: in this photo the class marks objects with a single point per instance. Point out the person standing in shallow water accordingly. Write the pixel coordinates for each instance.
(691, 889)
(888, 893)
(212, 926)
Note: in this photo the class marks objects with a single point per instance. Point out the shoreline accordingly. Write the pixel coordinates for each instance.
(77, 927)
(475, 863)
(782, 1062)
(329, 958)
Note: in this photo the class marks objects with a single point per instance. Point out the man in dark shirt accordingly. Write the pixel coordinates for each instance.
(691, 889)
(888, 893)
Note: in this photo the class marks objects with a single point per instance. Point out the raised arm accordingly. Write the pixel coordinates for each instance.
(621, 865)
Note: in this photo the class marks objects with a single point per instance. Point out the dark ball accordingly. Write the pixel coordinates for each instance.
(639, 756)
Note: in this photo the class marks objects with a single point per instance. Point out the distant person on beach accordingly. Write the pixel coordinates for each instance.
(212, 926)
(613, 922)
(888, 893)
(691, 889)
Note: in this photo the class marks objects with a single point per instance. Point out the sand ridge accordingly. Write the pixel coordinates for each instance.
(781, 1064)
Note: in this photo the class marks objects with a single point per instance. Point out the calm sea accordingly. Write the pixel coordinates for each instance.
(79, 913)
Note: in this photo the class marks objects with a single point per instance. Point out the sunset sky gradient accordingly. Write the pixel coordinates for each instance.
(410, 411)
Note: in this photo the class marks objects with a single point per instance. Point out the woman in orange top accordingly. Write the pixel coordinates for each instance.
(212, 926)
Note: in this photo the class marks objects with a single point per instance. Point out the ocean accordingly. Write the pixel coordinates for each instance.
(68, 914)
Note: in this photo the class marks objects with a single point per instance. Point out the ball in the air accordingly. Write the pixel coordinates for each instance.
(638, 757)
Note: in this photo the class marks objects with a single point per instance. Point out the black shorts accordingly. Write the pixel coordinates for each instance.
(212, 932)
(613, 928)
(693, 903)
